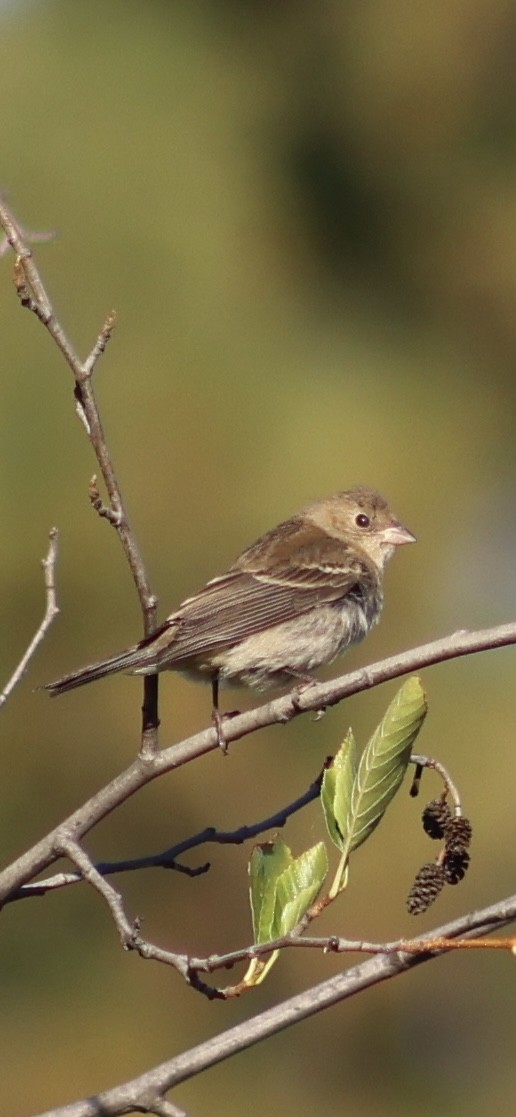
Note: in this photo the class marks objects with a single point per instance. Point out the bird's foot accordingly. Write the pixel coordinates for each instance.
(305, 682)
(221, 737)
(218, 721)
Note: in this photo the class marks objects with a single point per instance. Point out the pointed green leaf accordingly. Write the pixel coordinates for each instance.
(281, 891)
(297, 888)
(268, 861)
(337, 787)
(383, 765)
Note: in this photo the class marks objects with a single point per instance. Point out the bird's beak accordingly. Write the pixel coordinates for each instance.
(395, 535)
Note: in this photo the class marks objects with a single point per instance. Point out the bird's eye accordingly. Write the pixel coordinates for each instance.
(362, 520)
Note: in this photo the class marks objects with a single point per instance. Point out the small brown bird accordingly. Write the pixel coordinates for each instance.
(294, 600)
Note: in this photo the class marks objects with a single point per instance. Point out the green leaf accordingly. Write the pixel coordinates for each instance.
(337, 787)
(297, 888)
(268, 861)
(281, 891)
(382, 767)
(282, 886)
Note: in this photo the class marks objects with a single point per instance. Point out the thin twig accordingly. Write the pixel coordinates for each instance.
(33, 295)
(335, 944)
(68, 847)
(168, 858)
(450, 787)
(101, 342)
(32, 292)
(51, 612)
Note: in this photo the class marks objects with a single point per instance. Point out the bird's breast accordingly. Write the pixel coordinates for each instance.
(298, 646)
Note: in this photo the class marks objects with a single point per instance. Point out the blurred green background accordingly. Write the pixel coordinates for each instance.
(305, 217)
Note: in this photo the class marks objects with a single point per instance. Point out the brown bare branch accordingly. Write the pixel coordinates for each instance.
(33, 295)
(51, 612)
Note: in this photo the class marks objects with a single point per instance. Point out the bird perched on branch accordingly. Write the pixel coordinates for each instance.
(292, 601)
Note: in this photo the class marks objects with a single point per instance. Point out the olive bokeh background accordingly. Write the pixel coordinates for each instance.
(305, 217)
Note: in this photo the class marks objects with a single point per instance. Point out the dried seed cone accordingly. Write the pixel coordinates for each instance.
(455, 866)
(427, 885)
(457, 834)
(436, 818)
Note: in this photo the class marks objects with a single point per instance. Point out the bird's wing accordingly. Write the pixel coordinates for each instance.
(243, 602)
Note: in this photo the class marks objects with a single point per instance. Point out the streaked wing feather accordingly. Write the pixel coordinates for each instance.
(239, 604)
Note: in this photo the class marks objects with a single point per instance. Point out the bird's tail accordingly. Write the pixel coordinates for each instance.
(129, 660)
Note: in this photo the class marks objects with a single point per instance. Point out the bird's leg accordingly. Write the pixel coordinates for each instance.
(216, 714)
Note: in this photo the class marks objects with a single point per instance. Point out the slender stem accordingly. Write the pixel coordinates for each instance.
(51, 612)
